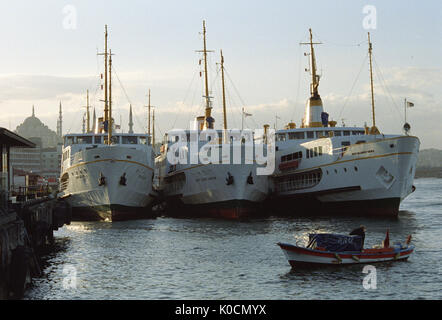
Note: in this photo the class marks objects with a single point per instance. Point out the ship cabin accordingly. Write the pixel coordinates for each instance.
(99, 139)
(313, 143)
(307, 134)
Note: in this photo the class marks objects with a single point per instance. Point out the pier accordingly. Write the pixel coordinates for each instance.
(26, 226)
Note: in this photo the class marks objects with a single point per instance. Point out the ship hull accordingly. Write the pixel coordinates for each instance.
(369, 179)
(205, 192)
(96, 190)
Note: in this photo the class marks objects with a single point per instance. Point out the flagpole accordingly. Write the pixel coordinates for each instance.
(242, 119)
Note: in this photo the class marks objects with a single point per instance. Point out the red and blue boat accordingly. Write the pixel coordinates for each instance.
(333, 249)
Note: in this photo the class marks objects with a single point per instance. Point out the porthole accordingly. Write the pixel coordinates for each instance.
(356, 168)
(345, 169)
(336, 171)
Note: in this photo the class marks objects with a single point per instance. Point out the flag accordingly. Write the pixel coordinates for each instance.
(410, 104)
(247, 114)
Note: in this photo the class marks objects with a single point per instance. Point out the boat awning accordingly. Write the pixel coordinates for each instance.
(12, 139)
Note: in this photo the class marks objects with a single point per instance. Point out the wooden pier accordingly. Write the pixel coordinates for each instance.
(26, 227)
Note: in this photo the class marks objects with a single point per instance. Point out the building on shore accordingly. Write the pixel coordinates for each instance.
(44, 160)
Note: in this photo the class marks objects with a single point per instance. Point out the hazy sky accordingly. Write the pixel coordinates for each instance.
(49, 49)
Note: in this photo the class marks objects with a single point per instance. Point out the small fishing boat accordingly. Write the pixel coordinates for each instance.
(334, 249)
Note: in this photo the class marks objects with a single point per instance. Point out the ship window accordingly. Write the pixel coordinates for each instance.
(346, 133)
(69, 141)
(338, 133)
(84, 140)
(283, 158)
(320, 150)
(316, 152)
(129, 140)
(98, 139)
(289, 157)
(360, 141)
(300, 154)
(281, 137)
(307, 153)
(296, 135)
(143, 140)
(345, 143)
(321, 134)
(310, 134)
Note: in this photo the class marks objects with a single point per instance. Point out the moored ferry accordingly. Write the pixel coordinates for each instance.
(107, 182)
(204, 188)
(107, 175)
(359, 170)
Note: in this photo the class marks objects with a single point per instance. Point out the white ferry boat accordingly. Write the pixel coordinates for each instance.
(357, 170)
(106, 175)
(224, 190)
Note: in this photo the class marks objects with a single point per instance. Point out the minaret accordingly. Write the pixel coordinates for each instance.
(59, 123)
(131, 124)
(33, 112)
(94, 120)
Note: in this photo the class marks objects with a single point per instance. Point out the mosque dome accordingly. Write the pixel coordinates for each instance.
(33, 127)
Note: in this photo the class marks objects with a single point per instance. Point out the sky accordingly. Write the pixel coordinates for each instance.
(49, 55)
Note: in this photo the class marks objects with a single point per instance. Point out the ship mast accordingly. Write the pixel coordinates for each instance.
(109, 131)
(373, 129)
(314, 108)
(105, 54)
(206, 78)
(148, 115)
(315, 78)
(224, 97)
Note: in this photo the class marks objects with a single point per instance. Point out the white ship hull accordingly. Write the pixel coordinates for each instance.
(370, 178)
(206, 191)
(114, 199)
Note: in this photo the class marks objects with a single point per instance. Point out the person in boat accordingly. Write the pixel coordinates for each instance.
(359, 232)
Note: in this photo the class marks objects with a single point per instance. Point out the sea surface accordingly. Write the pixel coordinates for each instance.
(168, 258)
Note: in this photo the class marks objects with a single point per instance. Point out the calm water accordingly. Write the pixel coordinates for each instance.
(170, 258)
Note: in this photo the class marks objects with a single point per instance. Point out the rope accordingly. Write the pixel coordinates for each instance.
(352, 87)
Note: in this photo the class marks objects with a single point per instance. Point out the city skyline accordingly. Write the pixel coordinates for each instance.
(52, 50)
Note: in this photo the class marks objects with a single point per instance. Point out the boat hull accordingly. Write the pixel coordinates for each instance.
(113, 199)
(370, 179)
(299, 256)
(204, 192)
(112, 212)
(231, 209)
